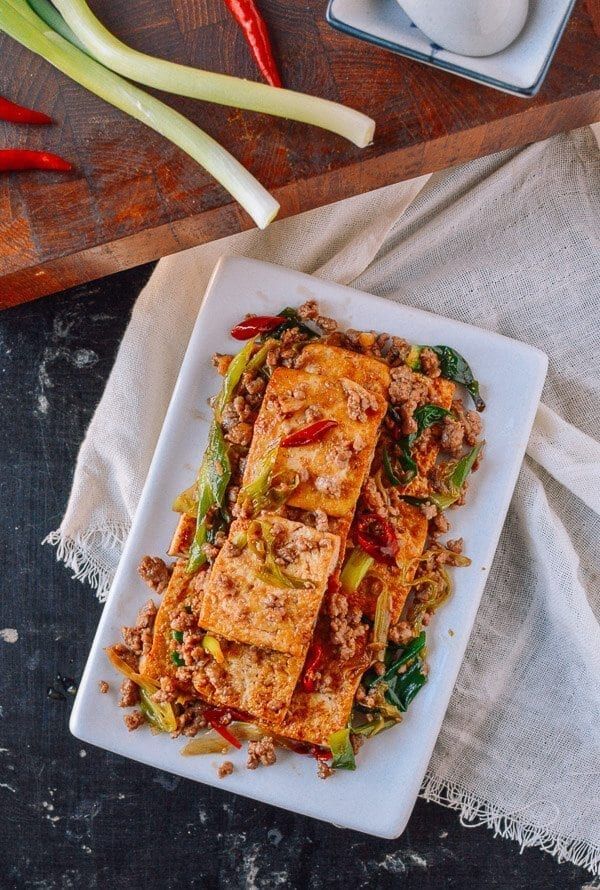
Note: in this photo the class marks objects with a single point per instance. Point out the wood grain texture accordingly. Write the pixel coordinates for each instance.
(134, 197)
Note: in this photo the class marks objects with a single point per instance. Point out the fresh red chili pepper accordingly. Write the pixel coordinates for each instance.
(308, 434)
(254, 29)
(376, 537)
(256, 324)
(17, 114)
(223, 731)
(314, 660)
(22, 159)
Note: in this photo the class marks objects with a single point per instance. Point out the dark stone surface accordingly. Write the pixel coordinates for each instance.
(77, 817)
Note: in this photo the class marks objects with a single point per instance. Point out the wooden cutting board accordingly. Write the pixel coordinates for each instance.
(135, 197)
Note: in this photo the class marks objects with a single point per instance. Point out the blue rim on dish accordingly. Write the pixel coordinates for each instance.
(435, 62)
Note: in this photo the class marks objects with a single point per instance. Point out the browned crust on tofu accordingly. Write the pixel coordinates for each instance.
(157, 663)
(242, 607)
(320, 358)
(332, 470)
(252, 680)
(183, 537)
(313, 716)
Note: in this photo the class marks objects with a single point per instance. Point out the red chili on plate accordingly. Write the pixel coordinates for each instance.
(224, 732)
(376, 537)
(308, 434)
(314, 660)
(256, 324)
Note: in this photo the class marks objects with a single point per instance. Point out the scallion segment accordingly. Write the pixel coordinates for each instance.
(19, 21)
(210, 86)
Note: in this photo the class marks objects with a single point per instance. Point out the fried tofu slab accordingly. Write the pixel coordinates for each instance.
(242, 604)
(320, 358)
(332, 469)
(251, 679)
(157, 663)
(313, 716)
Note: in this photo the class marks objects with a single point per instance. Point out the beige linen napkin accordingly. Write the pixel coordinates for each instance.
(509, 243)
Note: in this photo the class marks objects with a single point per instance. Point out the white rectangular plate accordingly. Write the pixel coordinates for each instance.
(519, 69)
(378, 798)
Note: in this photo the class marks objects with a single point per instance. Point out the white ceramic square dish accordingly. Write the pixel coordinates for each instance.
(519, 69)
(378, 798)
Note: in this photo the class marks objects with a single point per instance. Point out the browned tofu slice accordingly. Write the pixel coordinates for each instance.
(243, 606)
(183, 537)
(411, 532)
(320, 358)
(253, 680)
(331, 470)
(313, 716)
(157, 663)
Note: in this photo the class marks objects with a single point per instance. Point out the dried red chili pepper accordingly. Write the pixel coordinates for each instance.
(22, 159)
(376, 537)
(314, 660)
(256, 324)
(308, 434)
(18, 114)
(224, 732)
(254, 29)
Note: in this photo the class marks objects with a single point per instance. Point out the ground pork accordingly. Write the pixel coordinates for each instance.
(261, 751)
(225, 769)
(190, 720)
(324, 771)
(359, 399)
(168, 691)
(130, 694)
(154, 572)
(310, 312)
(240, 434)
(470, 421)
(407, 386)
(456, 545)
(103, 686)
(329, 485)
(346, 625)
(146, 615)
(126, 655)
(134, 720)
(430, 363)
(452, 436)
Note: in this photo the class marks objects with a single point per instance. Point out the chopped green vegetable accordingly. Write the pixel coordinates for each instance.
(209, 86)
(381, 624)
(292, 320)
(232, 377)
(413, 359)
(19, 21)
(360, 725)
(159, 714)
(355, 568)
(177, 659)
(425, 416)
(213, 479)
(341, 748)
(187, 501)
(261, 543)
(398, 689)
(177, 635)
(454, 481)
(209, 742)
(455, 367)
(266, 489)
